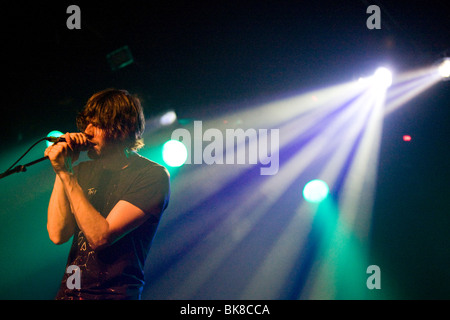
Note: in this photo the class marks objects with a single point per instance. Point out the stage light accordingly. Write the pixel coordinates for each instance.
(333, 134)
(168, 118)
(315, 191)
(174, 153)
(407, 138)
(54, 133)
(383, 77)
(444, 68)
(120, 58)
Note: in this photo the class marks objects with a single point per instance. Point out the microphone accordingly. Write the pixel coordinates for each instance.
(62, 139)
(55, 139)
(23, 168)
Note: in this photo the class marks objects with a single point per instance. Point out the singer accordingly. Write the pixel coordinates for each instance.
(110, 205)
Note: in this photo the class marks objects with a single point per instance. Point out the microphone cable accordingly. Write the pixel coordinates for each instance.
(29, 149)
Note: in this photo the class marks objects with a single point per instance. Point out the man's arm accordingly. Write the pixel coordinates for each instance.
(60, 219)
(68, 198)
(99, 231)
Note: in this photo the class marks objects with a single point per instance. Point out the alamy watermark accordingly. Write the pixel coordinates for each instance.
(74, 280)
(374, 280)
(74, 20)
(374, 20)
(234, 146)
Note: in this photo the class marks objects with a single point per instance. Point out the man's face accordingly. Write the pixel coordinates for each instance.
(97, 137)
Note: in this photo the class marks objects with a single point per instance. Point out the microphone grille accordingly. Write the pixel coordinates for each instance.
(54, 139)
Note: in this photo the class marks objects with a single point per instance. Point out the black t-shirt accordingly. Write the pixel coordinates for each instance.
(117, 271)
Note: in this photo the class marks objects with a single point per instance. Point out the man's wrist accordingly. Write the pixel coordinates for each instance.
(65, 175)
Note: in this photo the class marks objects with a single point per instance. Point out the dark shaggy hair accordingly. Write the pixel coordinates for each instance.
(118, 113)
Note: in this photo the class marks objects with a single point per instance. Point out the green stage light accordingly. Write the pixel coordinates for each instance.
(315, 191)
(174, 153)
(54, 133)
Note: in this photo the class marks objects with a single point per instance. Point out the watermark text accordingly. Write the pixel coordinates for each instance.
(234, 146)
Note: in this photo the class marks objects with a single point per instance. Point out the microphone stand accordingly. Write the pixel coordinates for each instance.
(21, 168)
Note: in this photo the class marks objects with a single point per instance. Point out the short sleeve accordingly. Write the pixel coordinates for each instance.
(150, 190)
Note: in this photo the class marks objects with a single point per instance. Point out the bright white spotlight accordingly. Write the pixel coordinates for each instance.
(174, 153)
(168, 118)
(444, 68)
(383, 77)
(315, 191)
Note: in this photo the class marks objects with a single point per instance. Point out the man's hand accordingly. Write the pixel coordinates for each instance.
(62, 154)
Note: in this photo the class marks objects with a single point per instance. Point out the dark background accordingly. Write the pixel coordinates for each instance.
(204, 58)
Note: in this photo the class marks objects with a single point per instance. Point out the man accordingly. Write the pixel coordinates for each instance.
(110, 205)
